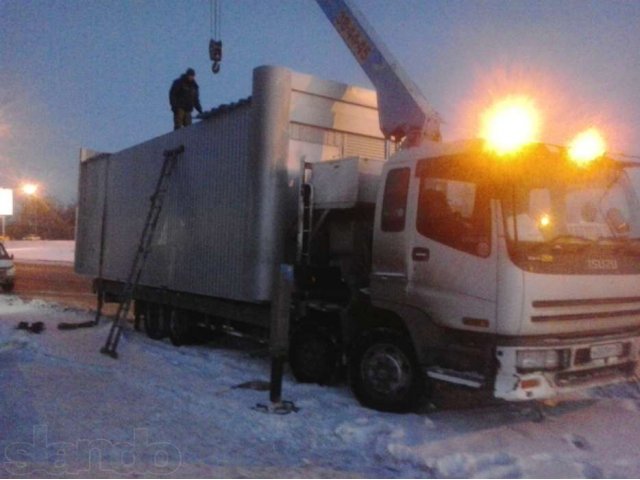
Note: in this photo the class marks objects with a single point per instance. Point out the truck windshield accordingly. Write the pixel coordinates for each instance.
(599, 208)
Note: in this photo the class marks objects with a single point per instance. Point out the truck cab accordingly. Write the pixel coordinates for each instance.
(515, 275)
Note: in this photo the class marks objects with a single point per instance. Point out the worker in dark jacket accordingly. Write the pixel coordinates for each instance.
(184, 97)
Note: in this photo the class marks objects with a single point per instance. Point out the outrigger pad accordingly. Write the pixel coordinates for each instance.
(109, 352)
(281, 408)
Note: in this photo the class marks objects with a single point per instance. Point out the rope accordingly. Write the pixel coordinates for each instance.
(211, 18)
(215, 19)
(219, 18)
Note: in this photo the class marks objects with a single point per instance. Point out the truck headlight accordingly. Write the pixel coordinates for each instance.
(530, 360)
(11, 271)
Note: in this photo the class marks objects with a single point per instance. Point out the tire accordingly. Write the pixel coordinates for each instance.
(180, 328)
(313, 354)
(384, 372)
(8, 287)
(155, 321)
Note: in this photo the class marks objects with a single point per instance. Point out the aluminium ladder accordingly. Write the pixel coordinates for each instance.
(305, 214)
(142, 252)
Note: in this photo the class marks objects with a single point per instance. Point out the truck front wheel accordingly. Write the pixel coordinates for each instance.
(384, 372)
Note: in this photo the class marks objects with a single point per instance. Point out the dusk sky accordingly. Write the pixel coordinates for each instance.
(96, 73)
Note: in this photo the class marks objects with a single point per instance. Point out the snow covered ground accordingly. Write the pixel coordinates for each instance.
(66, 410)
(58, 251)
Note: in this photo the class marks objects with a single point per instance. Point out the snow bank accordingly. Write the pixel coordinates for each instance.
(158, 410)
(58, 251)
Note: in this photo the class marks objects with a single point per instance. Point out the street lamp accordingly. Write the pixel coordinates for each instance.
(30, 189)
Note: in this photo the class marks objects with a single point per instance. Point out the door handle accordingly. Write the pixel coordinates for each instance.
(420, 254)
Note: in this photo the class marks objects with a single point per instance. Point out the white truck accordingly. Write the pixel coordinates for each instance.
(447, 262)
(7, 270)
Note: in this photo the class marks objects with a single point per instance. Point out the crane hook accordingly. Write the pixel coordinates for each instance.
(215, 46)
(215, 54)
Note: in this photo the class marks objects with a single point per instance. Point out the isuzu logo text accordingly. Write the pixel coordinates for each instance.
(602, 264)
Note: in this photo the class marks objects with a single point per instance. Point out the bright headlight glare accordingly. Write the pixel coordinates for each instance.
(544, 221)
(510, 124)
(586, 147)
(539, 359)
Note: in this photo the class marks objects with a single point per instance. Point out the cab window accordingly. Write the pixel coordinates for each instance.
(455, 212)
(394, 203)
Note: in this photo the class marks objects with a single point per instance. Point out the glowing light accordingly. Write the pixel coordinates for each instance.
(510, 124)
(29, 189)
(587, 146)
(6, 201)
(544, 221)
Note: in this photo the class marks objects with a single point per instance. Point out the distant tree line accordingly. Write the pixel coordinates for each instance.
(44, 217)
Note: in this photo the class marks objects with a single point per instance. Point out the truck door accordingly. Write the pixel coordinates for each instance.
(452, 252)
(389, 267)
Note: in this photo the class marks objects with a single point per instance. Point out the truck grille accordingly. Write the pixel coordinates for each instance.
(586, 315)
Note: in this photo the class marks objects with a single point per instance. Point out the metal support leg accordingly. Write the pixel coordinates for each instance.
(100, 298)
(275, 386)
(279, 342)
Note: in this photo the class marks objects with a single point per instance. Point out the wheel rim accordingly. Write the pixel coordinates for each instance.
(386, 369)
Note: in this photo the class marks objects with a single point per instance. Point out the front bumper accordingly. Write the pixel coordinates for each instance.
(582, 369)
(7, 276)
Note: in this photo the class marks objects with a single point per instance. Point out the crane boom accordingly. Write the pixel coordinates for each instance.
(404, 112)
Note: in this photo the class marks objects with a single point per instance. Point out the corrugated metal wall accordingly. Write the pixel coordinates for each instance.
(200, 245)
(349, 144)
(232, 199)
(91, 198)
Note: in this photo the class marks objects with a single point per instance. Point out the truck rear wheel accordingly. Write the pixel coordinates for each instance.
(384, 372)
(181, 327)
(313, 354)
(155, 321)
(8, 287)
